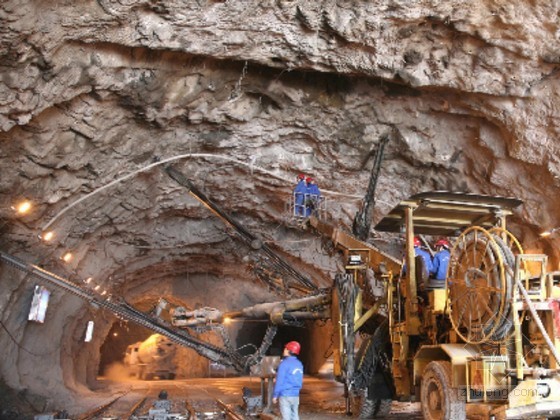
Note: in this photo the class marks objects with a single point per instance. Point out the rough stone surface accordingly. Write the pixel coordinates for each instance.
(243, 95)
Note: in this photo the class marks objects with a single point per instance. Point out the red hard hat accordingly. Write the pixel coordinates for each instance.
(443, 242)
(417, 241)
(309, 179)
(293, 347)
(301, 176)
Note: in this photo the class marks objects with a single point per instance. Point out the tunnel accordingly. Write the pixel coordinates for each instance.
(100, 100)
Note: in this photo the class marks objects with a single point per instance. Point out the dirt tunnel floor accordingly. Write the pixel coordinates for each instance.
(320, 398)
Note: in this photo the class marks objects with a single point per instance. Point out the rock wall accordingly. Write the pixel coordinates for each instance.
(241, 96)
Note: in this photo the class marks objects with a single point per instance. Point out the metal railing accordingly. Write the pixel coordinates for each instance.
(302, 206)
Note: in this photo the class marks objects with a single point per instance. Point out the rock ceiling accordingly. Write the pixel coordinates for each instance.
(241, 96)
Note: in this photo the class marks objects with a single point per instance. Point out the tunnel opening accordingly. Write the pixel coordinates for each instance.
(120, 336)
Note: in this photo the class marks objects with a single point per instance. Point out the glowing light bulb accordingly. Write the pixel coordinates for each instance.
(104, 293)
(67, 257)
(549, 232)
(97, 287)
(227, 320)
(88, 280)
(115, 334)
(47, 236)
(23, 207)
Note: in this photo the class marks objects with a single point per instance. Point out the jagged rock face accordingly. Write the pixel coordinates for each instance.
(241, 96)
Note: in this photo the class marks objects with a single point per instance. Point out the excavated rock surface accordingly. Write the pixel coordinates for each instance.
(243, 95)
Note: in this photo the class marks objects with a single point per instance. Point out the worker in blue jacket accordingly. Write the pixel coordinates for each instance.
(441, 260)
(313, 197)
(419, 251)
(426, 257)
(289, 380)
(300, 193)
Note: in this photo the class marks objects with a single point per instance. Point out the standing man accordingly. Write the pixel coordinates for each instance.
(313, 197)
(289, 380)
(299, 196)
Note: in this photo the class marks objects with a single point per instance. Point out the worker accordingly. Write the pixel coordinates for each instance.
(313, 197)
(299, 196)
(426, 258)
(421, 252)
(289, 380)
(441, 260)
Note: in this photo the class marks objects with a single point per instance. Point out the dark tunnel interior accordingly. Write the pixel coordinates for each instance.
(120, 336)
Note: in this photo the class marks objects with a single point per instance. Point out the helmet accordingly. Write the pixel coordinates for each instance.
(301, 176)
(293, 347)
(309, 179)
(443, 242)
(417, 241)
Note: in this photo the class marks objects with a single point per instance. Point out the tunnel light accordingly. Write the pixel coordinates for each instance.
(88, 280)
(89, 332)
(39, 304)
(67, 257)
(104, 293)
(23, 207)
(549, 232)
(227, 320)
(97, 287)
(115, 334)
(47, 236)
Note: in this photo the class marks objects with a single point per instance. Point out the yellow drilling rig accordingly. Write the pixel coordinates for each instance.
(484, 344)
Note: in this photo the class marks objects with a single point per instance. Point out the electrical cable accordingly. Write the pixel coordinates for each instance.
(20, 346)
(171, 159)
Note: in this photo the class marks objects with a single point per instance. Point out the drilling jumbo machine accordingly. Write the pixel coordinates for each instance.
(482, 344)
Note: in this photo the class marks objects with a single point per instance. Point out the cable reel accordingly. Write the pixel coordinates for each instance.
(480, 284)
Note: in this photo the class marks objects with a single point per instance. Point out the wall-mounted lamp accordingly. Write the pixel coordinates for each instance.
(47, 236)
(549, 232)
(23, 207)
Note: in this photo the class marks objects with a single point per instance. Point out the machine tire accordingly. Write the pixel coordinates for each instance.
(384, 408)
(372, 409)
(440, 401)
(368, 356)
(367, 409)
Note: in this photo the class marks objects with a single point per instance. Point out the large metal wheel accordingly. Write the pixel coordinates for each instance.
(479, 290)
(440, 401)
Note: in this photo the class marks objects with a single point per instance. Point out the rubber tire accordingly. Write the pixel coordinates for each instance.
(372, 409)
(437, 378)
(367, 409)
(367, 357)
